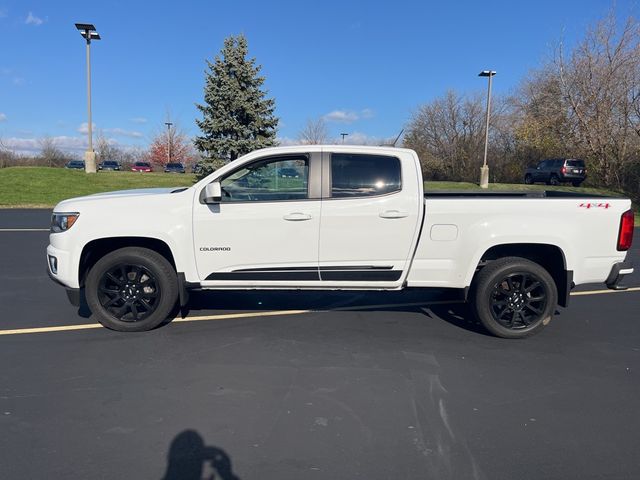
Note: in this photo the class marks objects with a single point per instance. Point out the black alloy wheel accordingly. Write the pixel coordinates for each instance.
(513, 297)
(129, 292)
(519, 300)
(132, 289)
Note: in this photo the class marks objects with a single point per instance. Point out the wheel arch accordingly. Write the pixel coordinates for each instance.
(551, 257)
(97, 248)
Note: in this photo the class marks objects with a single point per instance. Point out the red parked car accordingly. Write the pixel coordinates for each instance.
(141, 167)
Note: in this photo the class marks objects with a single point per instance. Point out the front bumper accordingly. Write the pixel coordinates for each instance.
(618, 271)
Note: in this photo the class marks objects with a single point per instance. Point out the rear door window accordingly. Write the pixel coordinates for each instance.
(360, 175)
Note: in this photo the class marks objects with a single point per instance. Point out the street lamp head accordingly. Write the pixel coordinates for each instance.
(86, 27)
(487, 73)
(88, 31)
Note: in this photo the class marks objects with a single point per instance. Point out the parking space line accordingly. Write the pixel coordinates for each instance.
(272, 313)
(600, 292)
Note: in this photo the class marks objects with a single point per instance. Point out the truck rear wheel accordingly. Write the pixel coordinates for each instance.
(131, 289)
(514, 297)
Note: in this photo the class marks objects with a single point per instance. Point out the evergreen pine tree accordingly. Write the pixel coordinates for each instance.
(236, 115)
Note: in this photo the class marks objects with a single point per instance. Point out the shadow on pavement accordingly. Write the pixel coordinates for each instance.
(411, 300)
(189, 458)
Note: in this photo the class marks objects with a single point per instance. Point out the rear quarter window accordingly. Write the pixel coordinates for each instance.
(361, 175)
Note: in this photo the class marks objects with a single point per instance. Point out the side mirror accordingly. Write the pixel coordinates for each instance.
(213, 193)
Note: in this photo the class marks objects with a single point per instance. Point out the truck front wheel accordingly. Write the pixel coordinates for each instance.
(514, 297)
(132, 289)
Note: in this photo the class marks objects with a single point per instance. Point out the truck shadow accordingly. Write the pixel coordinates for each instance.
(443, 304)
(189, 458)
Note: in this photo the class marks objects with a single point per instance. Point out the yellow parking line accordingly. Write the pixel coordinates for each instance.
(271, 313)
(60, 328)
(600, 292)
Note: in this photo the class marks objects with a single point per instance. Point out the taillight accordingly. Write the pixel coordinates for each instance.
(564, 170)
(625, 234)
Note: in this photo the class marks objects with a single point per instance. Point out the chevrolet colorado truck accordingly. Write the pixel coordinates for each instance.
(335, 217)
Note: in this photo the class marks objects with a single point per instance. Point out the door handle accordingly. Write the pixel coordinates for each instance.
(297, 217)
(394, 214)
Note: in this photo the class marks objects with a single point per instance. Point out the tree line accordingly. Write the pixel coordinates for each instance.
(583, 102)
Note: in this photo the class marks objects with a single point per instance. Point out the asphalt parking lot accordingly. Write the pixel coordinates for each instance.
(262, 385)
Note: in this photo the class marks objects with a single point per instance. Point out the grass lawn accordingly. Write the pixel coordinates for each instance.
(44, 187)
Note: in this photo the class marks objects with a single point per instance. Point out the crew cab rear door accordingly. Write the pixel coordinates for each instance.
(371, 215)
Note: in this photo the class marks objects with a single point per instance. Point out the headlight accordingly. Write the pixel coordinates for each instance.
(61, 222)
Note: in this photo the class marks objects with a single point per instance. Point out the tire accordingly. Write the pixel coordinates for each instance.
(523, 312)
(528, 179)
(554, 180)
(132, 289)
(576, 184)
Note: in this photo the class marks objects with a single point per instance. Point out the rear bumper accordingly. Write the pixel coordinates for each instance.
(618, 271)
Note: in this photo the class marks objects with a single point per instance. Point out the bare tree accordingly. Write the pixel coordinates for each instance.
(600, 82)
(448, 134)
(314, 132)
(50, 154)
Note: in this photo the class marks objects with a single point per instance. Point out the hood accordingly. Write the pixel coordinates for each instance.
(119, 196)
(134, 192)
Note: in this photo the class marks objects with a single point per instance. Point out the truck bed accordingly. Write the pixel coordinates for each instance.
(513, 194)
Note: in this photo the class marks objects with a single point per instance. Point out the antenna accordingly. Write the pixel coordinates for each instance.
(397, 138)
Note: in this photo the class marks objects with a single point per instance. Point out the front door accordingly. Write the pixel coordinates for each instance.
(265, 229)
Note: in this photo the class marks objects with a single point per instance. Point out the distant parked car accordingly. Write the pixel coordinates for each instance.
(557, 171)
(141, 167)
(174, 168)
(109, 165)
(75, 164)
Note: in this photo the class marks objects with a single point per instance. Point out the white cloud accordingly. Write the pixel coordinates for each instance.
(32, 145)
(341, 116)
(359, 138)
(348, 116)
(84, 127)
(124, 133)
(33, 20)
(138, 120)
(367, 113)
(3, 117)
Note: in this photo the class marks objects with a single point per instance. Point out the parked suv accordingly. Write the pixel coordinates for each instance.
(109, 165)
(174, 168)
(557, 171)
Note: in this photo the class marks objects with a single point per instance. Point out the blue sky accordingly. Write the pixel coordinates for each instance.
(363, 65)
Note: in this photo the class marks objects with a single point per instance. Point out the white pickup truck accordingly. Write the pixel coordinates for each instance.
(335, 217)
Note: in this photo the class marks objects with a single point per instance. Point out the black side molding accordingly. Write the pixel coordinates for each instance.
(347, 273)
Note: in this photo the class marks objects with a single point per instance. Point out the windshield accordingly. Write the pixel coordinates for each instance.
(174, 165)
(141, 164)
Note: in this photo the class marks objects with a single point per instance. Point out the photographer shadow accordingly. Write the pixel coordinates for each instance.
(189, 458)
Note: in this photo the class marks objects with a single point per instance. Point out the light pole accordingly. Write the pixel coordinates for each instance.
(484, 170)
(168, 124)
(88, 32)
(343, 135)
